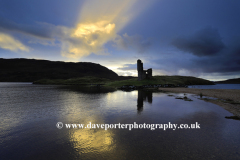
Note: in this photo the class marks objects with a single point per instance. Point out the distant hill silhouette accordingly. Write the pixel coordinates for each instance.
(29, 70)
(230, 81)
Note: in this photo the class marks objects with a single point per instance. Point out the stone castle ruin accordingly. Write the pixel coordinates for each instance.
(143, 74)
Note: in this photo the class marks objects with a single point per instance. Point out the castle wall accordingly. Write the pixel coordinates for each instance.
(144, 75)
(149, 71)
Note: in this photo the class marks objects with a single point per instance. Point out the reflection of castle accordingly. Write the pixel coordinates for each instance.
(143, 96)
(142, 74)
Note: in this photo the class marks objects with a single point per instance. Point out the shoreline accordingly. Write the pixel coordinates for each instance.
(229, 99)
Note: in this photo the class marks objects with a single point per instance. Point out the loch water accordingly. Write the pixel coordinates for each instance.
(216, 86)
(29, 114)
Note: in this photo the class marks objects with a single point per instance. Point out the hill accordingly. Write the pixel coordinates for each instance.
(174, 80)
(229, 81)
(29, 70)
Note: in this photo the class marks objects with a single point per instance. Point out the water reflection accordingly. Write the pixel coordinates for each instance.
(92, 140)
(143, 96)
(37, 109)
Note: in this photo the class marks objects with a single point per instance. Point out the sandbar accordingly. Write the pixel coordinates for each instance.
(229, 99)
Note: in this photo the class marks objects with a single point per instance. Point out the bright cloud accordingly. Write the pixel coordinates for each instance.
(98, 24)
(88, 38)
(9, 43)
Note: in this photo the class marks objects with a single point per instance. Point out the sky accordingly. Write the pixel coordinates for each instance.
(199, 38)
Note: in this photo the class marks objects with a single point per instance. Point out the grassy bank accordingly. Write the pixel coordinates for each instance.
(111, 83)
(162, 80)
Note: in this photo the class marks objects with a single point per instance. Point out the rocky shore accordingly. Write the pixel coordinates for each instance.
(229, 99)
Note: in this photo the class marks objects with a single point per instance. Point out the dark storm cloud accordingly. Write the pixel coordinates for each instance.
(226, 63)
(41, 30)
(205, 42)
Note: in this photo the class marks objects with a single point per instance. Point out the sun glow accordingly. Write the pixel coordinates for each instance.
(83, 30)
(95, 34)
(98, 24)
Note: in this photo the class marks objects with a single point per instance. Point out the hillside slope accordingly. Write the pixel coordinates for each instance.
(230, 81)
(29, 70)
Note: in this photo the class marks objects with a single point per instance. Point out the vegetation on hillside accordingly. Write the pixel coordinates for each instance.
(29, 70)
(162, 80)
(116, 83)
(230, 81)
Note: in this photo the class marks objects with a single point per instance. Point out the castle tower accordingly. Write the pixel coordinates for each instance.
(140, 69)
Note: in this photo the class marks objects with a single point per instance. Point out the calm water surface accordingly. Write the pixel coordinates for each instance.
(216, 86)
(29, 114)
